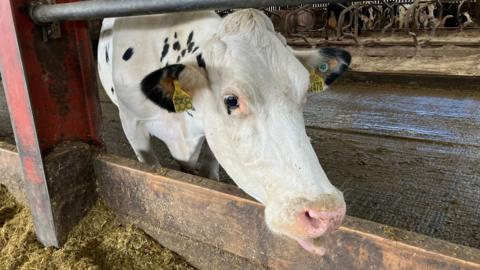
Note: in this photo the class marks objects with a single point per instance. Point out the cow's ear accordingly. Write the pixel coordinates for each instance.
(330, 63)
(173, 86)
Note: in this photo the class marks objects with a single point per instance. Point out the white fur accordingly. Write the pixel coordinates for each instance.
(264, 148)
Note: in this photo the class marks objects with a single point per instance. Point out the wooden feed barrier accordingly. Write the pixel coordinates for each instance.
(216, 226)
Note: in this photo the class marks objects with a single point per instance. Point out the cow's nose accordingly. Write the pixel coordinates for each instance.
(316, 222)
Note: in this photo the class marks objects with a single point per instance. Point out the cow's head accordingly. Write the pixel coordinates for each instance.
(250, 88)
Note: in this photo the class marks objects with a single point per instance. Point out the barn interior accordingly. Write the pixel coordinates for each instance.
(399, 133)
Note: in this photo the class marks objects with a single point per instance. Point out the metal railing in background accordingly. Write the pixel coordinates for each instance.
(87, 10)
(337, 22)
(355, 19)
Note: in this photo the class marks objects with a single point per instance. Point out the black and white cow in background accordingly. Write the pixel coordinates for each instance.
(429, 14)
(450, 13)
(248, 91)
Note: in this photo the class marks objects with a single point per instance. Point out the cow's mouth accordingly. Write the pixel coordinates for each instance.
(319, 245)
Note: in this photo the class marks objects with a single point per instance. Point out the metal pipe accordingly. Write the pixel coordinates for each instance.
(341, 19)
(87, 10)
(410, 15)
(459, 14)
(439, 18)
(392, 17)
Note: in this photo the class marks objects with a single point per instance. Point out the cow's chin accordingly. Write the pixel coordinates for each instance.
(318, 246)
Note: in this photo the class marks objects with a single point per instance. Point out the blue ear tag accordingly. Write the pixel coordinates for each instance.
(323, 67)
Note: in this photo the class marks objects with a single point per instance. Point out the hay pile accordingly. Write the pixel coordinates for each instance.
(98, 242)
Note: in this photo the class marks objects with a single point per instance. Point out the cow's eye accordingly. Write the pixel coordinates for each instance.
(231, 102)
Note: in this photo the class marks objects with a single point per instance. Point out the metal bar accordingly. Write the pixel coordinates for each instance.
(477, 12)
(86, 10)
(341, 19)
(383, 43)
(52, 98)
(459, 14)
(20, 108)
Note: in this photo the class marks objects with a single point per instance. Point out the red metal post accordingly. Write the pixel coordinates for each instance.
(52, 98)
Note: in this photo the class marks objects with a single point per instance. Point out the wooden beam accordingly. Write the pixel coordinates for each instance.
(10, 172)
(72, 182)
(165, 202)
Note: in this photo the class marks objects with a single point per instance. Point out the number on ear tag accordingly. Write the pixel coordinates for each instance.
(181, 99)
(316, 82)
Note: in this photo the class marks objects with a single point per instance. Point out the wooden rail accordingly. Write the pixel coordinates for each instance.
(216, 226)
(219, 216)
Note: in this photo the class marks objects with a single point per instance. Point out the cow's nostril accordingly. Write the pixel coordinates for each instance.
(318, 222)
(312, 221)
(314, 215)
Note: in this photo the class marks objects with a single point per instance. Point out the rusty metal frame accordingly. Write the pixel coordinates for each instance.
(52, 98)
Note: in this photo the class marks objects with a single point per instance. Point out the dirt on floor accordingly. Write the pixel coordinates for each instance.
(98, 242)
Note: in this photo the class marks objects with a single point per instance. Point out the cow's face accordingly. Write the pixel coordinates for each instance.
(251, 96)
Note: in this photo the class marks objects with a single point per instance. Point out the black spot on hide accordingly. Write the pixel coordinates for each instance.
(343, 58)
(176, 46)
(166, 46)
(190, 38)
(150, 86)
(343, 55)
(127, 54)
(190, 46)
(201, 62)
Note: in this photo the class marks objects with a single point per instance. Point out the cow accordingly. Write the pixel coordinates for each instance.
(451, 14)
(401, 11)
(427, 15)
(368, 17)
(246, 88)
(334, 10)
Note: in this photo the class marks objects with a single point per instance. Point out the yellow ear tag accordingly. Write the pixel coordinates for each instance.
(316, 82)
(181, 99)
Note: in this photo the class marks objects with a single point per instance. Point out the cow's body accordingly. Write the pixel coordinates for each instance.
(248, 90)
(161, 41)
(451, 16)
